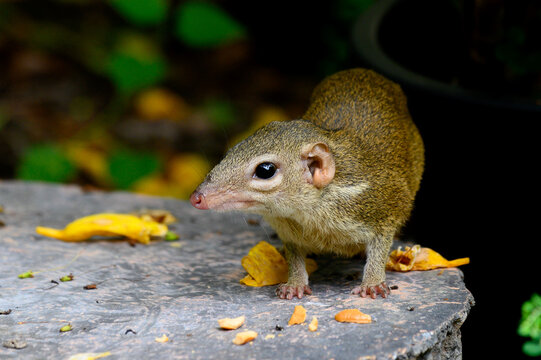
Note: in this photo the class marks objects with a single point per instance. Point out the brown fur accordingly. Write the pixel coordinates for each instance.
(377, 157)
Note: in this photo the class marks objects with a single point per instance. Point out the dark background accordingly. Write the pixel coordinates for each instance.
(479, 196)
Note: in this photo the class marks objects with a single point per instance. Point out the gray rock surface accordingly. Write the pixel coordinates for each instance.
(144, 292)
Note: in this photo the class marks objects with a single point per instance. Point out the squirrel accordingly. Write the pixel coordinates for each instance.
(340, 180)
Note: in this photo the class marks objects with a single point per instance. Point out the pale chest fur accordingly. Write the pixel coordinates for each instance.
(319, 236)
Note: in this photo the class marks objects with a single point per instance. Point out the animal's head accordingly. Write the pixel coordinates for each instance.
(276, 171)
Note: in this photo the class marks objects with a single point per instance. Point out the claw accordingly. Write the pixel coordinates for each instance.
(285, 291)
(372, 291)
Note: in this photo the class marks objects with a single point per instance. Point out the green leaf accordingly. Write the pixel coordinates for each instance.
(201, 24)
(66, 328)
(135, 63)
(128, 166)
(220, 112)
(142, 12)
(26, 275)
(45, 163)
(349, 10)
(130, 73)
(171, 236)
(530, 323)
(532, 348)
(66, 278)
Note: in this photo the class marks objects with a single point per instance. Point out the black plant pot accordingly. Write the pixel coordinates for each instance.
(480, 190)
(421, 45)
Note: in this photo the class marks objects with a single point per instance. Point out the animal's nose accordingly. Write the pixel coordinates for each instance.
(198, 200)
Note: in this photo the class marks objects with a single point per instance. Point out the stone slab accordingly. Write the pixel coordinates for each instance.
(144, 292)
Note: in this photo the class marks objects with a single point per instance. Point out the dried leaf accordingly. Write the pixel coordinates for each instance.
(420, 258)
(266, 266)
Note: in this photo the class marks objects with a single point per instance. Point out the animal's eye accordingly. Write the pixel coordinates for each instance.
(265, 170)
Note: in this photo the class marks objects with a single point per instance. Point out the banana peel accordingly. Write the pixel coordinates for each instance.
(130, 226)
(266, 266)
(418, 258)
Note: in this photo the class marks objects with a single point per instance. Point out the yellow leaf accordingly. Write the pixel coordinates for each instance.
(156, 185)
(264, 115)
(266, 266)
(160, 104)
(186, 171)
(420, 258)
(90, 159)
(86, 227)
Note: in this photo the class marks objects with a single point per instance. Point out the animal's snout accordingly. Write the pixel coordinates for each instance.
(199, 201)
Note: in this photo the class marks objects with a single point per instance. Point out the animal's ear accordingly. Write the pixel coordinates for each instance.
(318, 164)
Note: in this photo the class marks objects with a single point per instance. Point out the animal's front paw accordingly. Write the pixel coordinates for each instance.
(372, 291)
(287, 291)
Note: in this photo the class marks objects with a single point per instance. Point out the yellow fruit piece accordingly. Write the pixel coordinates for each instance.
(86, 227)
(162, 339)
(420, 258)
(298, 316)
(313, 324)
(266, 266)
(231, 324)
(353, 316)
(244, 337)
(89, 356)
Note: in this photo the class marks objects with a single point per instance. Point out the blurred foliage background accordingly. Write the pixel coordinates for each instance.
(146, 95)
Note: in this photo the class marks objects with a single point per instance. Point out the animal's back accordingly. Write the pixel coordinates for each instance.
(375, 110)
